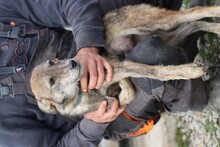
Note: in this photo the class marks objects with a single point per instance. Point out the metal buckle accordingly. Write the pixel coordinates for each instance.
(15, 32)
(6, 90)
(20, 68)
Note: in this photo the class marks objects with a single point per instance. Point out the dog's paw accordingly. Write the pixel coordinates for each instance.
(184, 72)
(197, 70)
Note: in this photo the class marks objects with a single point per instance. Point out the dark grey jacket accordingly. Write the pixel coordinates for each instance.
(22, 124)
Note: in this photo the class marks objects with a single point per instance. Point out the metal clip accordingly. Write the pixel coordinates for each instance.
(6, 90)
(20, 68)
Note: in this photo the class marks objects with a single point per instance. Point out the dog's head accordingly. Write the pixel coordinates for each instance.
(55, 83)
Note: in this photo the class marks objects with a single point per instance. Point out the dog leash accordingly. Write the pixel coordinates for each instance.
(11, 69)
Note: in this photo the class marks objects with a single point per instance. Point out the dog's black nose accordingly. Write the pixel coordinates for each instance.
(73, 63)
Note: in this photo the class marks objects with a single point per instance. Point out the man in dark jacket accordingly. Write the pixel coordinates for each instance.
(31, 33)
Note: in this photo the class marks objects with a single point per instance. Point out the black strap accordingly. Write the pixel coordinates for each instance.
(11, 69)
(5, 90)
(13, 33)
(17, 88)
(7, 31)
(4, 28)
(12, 89)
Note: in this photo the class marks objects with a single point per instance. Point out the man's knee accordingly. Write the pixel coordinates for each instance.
(154, 51)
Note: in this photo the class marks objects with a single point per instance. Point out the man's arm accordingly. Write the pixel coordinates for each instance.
(90, 131)
(87, 27)
(86, 133)
(23, 131)
(83, 16)
(23, 124)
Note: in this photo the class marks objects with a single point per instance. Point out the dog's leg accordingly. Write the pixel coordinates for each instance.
(164, 73)
(176, 37)
(127, 91)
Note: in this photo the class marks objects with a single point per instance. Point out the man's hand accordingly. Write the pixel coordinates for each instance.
(94, 67)
(102, 115)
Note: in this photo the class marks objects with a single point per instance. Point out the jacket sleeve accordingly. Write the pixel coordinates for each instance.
(26, 132)
(23, 125)
(85, 134)
(83, 15)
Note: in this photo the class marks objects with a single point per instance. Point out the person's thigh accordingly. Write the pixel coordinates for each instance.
(154, 51)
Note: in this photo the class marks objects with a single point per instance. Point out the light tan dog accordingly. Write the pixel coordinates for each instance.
(55, 84)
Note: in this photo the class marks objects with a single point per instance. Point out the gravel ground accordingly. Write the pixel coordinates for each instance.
(202, 129)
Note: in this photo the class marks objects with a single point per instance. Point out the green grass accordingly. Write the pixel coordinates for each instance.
(179, 138)
(185, 2)
(210, 2)
(210, 126)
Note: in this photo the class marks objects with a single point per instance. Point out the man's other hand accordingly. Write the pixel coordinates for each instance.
(102, 115)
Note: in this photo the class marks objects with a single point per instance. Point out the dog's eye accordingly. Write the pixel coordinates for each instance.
(51, 62)
(52, 81)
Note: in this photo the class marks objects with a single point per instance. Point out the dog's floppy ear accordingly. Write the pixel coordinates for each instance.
(46, 106)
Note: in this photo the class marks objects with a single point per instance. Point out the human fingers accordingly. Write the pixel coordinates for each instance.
(84, 79)
(114, 106)
(98, 115)
(81, 58)
(103, 116)
(111, 114)
(93, 75)
(109, 70)
(102, 108)
(101, 74)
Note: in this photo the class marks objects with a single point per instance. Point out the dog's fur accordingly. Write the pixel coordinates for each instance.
(55, 84)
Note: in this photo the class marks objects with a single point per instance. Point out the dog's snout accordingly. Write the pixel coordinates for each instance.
(73, 63)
